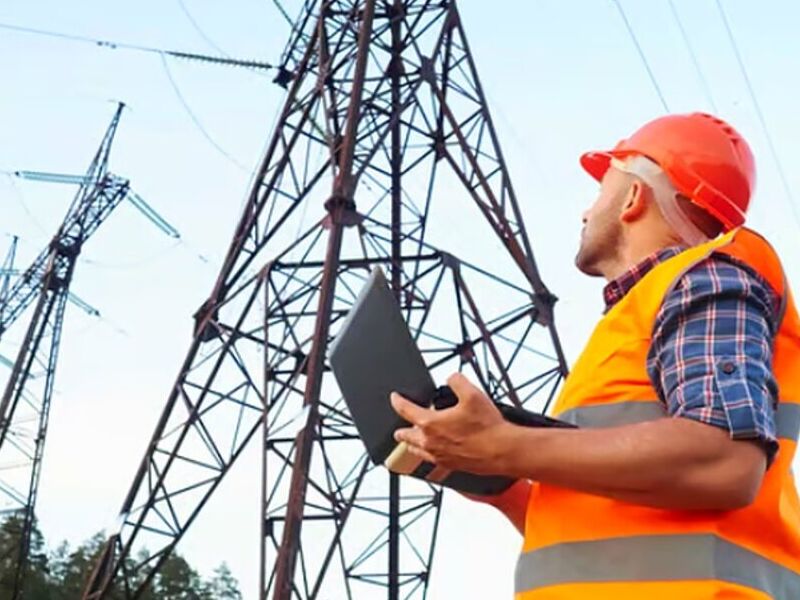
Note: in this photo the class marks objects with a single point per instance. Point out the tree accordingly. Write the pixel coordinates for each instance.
(70, 568)
(176, 580)
(37, 573)
(223, 585)
(62, 574)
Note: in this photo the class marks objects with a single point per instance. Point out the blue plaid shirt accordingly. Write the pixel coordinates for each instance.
(711, 353)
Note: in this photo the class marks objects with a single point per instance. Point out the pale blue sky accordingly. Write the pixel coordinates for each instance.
(562, 76)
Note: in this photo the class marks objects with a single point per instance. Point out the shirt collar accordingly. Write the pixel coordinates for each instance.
(616, 289)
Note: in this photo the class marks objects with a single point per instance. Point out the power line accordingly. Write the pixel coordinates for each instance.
(687, 43)
(220, 60)
(199, 30)
(283, 12)
(759, 113)
(641, 55)
(163, 54)
(196, 120)
(21, 199)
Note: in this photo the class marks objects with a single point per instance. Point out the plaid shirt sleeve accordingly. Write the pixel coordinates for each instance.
(711, 353)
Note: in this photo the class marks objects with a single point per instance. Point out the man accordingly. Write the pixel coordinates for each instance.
(678, 483)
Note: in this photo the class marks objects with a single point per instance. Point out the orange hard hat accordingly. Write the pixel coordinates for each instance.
(705, 159)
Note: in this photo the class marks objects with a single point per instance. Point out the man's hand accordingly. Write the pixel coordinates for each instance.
(672, 462)
(467, 437)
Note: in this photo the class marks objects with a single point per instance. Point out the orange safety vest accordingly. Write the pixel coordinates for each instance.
(582, 546)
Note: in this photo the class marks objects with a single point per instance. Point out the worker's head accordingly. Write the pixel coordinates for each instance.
(680, 179)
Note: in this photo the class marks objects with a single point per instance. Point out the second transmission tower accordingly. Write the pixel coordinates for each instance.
(45, 286)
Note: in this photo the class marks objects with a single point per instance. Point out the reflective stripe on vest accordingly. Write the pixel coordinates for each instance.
(787, 417)
(680, 557)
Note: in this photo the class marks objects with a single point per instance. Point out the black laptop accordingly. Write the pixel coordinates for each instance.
(374, 355)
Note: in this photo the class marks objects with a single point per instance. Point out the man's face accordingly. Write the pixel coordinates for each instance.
(602, 231)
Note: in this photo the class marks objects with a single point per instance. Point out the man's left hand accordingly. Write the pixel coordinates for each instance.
(467, 437)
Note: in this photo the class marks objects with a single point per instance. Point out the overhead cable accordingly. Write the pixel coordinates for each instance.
(698, 70)
(760, 114)
(199, 30)
(219, 60)
(641, 55)
(283, 12)
(163, 54)
(203, 131)
(21, 200)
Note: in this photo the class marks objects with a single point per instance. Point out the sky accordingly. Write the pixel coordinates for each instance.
(561, 76)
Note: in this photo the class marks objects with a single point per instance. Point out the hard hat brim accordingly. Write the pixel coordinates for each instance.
(596, 163)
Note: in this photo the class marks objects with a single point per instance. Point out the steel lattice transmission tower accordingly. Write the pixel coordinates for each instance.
(386, 126)
(45, 285)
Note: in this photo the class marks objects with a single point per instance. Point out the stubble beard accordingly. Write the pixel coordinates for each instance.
(598, 248)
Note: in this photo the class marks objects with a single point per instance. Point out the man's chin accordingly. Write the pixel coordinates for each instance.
(587, 267)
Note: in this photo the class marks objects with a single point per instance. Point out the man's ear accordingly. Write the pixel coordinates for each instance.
(635, 204)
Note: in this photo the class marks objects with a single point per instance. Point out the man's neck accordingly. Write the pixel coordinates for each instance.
(635, 251)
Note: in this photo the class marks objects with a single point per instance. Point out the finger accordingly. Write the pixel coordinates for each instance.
(416, 415)
(420, 453)
(463, 388)
(410, 435)
(414, 440)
